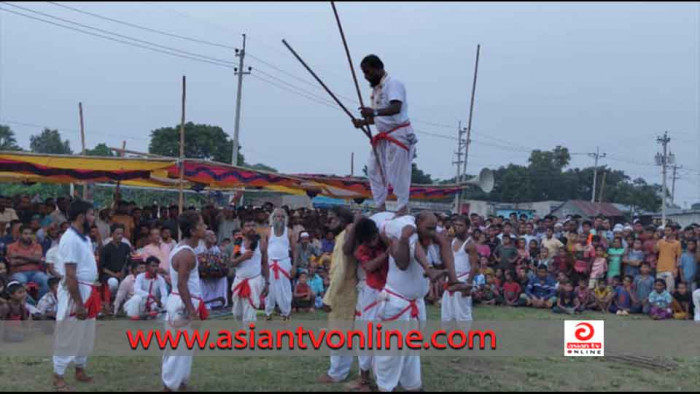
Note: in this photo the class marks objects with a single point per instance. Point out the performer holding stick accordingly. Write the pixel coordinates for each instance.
(395, 142)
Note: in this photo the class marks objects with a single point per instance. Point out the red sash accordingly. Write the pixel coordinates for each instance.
(243, 290)
(384, 135)
(276, 269)
(93, 303)
(412, 307)
(202, 310)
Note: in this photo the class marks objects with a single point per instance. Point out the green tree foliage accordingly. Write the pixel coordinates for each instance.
(49, 141)
(8, 142)
(547, 178)
(100, 150)
(201, 142)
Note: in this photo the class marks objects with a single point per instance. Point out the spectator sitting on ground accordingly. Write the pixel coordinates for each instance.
(567, 302)
(126, 287)
(15, 308)
(540, 291)
(303, 295)
(682, 303)
(48, 304)
(113, 260)
(603, 295)
(660, 300)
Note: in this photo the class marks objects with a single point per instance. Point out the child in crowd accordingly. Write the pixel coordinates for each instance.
(567, 302)
(603, 296)
(660, 300)
(534, 250)
(512, 291)
(634, 259)
(541, 291)
(481, 248)
(560, 262)
(648, 246)
(600, 265)
(523, 252)
(303, 296)
(485, 268)
(544, 259)
(48, 304)
(623, 298)
(643, 285)
(522, 277)
(506, 255)
(583, 254)
(561, 278)
(584, 295)
(682, 303)
(15, 308)
(479, 284)
(615, 254)
(490, 294)
(499, 278)
(689, 264)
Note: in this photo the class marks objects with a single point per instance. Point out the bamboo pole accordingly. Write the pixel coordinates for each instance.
(181, 200)
(82, 140)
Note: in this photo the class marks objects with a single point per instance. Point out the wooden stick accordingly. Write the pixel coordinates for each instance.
(116, 192)
(357, 85)
(181, 200)
(82, 140)
(367, 133)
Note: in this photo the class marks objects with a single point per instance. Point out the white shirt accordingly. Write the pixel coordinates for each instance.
(410, 283)
(145, 287)
(389, 90)
(52, 255)
(77, 249)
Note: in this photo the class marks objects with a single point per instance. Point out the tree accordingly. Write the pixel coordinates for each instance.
(263, 167)
(7, 139)
(201, 142)
(100, 150)
(419, 177)
(49, 141)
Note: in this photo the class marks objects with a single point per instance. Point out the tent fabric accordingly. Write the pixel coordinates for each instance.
(198, 175)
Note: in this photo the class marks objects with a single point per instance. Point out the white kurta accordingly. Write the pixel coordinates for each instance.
(396, 161)
(280, 291)
(74, 339)
(145, 292)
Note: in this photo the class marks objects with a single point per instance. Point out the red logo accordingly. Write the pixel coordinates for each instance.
(584, 333)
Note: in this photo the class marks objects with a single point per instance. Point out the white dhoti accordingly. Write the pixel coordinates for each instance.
(177, 368)
(404, 369)
(366, 311)
(696, 301)
(246, 297)
(456, 307)
(396, 163)
(136, 306)
(74, 339)
(280, 291)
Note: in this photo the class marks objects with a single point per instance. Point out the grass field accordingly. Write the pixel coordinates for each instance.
(439, 373)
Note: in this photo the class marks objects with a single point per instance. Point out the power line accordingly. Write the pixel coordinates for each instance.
(117, 40)
(202, 57)
(33, 125)
(199, 41)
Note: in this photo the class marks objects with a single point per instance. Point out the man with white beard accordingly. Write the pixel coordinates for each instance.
(279, 245)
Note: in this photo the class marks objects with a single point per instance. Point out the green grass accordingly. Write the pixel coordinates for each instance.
(439, 373)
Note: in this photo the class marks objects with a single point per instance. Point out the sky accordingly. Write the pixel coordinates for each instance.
(580, 75)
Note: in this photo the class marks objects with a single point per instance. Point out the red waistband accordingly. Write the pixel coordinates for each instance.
(384, 135)
(201, 308)
(275, 267)
(412, 306)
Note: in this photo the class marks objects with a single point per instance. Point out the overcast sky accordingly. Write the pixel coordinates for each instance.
(580, 75)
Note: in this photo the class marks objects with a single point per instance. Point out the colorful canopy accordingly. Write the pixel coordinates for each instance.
(198, 175)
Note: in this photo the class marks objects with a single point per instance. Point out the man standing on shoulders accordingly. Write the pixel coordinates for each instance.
(395, 142)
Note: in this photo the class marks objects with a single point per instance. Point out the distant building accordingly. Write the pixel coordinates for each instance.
(684, 217)
(587, 209)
